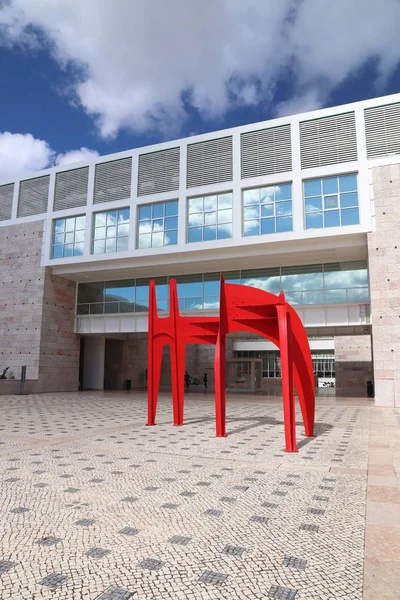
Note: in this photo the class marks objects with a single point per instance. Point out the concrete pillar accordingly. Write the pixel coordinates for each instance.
(93, 363)
(384, 274)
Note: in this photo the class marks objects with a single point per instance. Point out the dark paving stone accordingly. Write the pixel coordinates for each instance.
(170, 505)
(316, 511)
(213, 578)
(279, 493)
(294, 563)
(242, 488)
(178, 539)
(151, 488)
(234, 550)
(277, 591)
(228, 499)
(6, 565)
(259, 519)
(203, 483)
(188, 494)
(130, 499)
(19, 510)
(321, 498)
(54, 580)
(213, 512)
(97, 552)
(151, 563)
(85, 522)
(129, 531)
(269, 505)
(115, 594)
(309, 527)
(71, 490)
(49, 541)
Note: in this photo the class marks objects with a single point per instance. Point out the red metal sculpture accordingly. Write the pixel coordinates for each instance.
(242, 308)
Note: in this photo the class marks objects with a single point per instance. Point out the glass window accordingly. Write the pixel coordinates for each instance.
(264, 279)
(158, 224)
(267, 210)
(331, 283)
(111, 231)
(331, 201)
(210, 218)
(68, 237)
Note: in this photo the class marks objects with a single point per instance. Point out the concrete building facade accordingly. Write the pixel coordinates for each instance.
(308, 204)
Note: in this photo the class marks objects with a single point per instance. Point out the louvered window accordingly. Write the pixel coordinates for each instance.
(328, 141)
(209, 162)
(158, 172)
(266, 152)
(71, 188)
(6, 199)
(382, 129)
(112, 180)
(33, 196)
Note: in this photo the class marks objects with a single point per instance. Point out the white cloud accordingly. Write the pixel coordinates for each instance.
(76, 156)
(20, 153)
(135, 61)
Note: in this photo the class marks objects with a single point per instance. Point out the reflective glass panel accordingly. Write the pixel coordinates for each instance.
(350, 216)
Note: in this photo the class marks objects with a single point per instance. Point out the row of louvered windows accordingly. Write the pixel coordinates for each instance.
(323, 141)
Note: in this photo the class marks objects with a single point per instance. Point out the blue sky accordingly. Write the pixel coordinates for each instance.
(79, 77)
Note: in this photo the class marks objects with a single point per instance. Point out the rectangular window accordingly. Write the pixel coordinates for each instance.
(210, 218)
(158, 224)
(68, 237)
(331, 201)
(267, 210)
(111, 231)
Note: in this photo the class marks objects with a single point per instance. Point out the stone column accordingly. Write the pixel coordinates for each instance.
(384, 273)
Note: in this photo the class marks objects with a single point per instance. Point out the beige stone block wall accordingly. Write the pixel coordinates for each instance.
(384, 273)
(127, 359)
(21, 285)
(36, 313)
(60, 346)
(353, 359)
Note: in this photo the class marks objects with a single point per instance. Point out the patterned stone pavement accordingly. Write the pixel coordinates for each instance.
(95, 505)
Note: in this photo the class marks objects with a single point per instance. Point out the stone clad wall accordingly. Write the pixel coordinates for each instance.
(60, 346)
(384, 273)
(353, 361)
(21, 294)
(127, 359)
(36, 313)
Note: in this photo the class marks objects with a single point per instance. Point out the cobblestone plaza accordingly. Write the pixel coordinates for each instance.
(95, 505)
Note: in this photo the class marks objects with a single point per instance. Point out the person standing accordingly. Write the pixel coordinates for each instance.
(205, 381)
(187, 381)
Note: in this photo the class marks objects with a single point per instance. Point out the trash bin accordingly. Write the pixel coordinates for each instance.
(370, 389)
(128, 384)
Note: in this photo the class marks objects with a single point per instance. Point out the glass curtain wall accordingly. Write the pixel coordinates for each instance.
(333, 283)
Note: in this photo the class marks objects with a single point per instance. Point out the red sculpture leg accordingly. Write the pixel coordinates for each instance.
(177, 353)
(220, 385)
(289, 414)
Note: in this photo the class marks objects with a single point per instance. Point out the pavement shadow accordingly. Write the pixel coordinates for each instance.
(255, 422)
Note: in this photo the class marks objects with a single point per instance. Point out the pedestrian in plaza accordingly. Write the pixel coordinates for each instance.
(205, 381)
(187, 381)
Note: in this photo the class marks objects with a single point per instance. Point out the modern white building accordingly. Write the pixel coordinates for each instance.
(308, 204)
